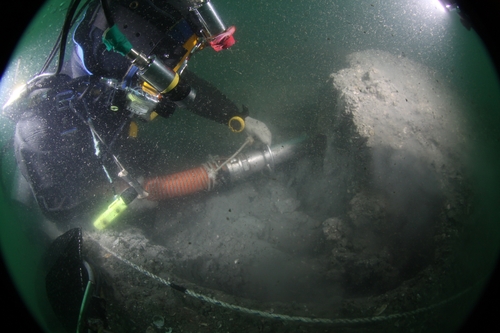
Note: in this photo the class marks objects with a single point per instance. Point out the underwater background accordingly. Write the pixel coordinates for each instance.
(285, 52)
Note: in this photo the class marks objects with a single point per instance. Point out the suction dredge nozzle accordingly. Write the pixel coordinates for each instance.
(211, 174)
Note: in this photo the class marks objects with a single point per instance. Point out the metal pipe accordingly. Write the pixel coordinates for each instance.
(246, 164)
(205, 177)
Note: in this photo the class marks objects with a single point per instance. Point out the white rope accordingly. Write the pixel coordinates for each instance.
(249, 140)
(328, 321)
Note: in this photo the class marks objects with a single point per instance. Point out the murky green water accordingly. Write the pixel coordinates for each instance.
(284, 54)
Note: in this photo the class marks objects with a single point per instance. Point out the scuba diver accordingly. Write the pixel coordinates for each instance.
(128, 62)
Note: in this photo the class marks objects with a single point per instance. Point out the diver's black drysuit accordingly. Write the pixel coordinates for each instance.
(54, 146)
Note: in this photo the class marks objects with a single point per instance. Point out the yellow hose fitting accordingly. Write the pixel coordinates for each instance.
(133, 130)
(146, 87)
(236, 124)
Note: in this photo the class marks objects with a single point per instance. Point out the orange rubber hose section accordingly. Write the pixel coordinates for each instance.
(178, 184)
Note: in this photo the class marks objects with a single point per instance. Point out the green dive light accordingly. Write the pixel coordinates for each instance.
(118, 206)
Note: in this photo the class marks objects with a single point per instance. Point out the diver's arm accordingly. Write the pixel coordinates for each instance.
(210, 102)
(213, 104)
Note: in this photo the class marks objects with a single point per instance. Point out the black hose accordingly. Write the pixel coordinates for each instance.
(107, 13)
(64, 33)
(159, 10)
(70, 17)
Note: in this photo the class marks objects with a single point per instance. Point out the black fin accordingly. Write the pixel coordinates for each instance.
(67, 277)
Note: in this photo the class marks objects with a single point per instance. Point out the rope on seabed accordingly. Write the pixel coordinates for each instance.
(339, 321)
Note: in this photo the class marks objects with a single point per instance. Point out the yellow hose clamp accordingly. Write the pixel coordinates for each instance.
(236, 124)
(172, 84)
